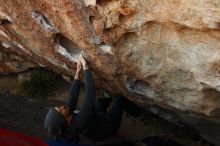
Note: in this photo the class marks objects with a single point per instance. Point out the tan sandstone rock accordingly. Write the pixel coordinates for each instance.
(155, 52)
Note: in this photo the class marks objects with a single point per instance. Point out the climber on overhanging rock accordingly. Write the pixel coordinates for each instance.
(93, 121)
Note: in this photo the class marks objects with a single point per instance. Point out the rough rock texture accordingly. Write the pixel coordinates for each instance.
(155, 52)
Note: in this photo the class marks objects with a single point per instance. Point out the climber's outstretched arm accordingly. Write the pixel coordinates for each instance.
(87, 109)
(75, 88)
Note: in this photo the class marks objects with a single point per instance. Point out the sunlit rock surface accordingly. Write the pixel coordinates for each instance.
(155, 52)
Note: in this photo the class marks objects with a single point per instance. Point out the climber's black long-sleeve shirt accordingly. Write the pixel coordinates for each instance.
(86, 111)
(96, 125)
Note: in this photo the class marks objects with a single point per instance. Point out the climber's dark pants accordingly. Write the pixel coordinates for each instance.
(115, 114)
(105, 124)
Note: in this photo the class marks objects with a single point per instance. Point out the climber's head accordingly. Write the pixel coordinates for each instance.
(63, 110)
(55, 121)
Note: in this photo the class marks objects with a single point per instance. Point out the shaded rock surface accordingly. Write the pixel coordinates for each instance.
(153, 52)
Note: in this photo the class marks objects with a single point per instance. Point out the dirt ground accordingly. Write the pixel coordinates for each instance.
(26, 115)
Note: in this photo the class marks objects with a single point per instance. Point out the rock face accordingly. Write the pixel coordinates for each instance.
(155, 52)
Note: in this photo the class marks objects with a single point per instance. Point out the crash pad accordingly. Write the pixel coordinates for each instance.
(12, 138)
(62, 143)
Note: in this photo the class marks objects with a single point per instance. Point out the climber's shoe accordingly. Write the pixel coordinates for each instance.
(106, 94)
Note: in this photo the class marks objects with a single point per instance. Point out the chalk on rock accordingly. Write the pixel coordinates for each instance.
(106, 49)
(66, 47)
(90, 2)
(42, 21)
(6, 44)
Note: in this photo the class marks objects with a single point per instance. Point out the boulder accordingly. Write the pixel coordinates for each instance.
(162, 54)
